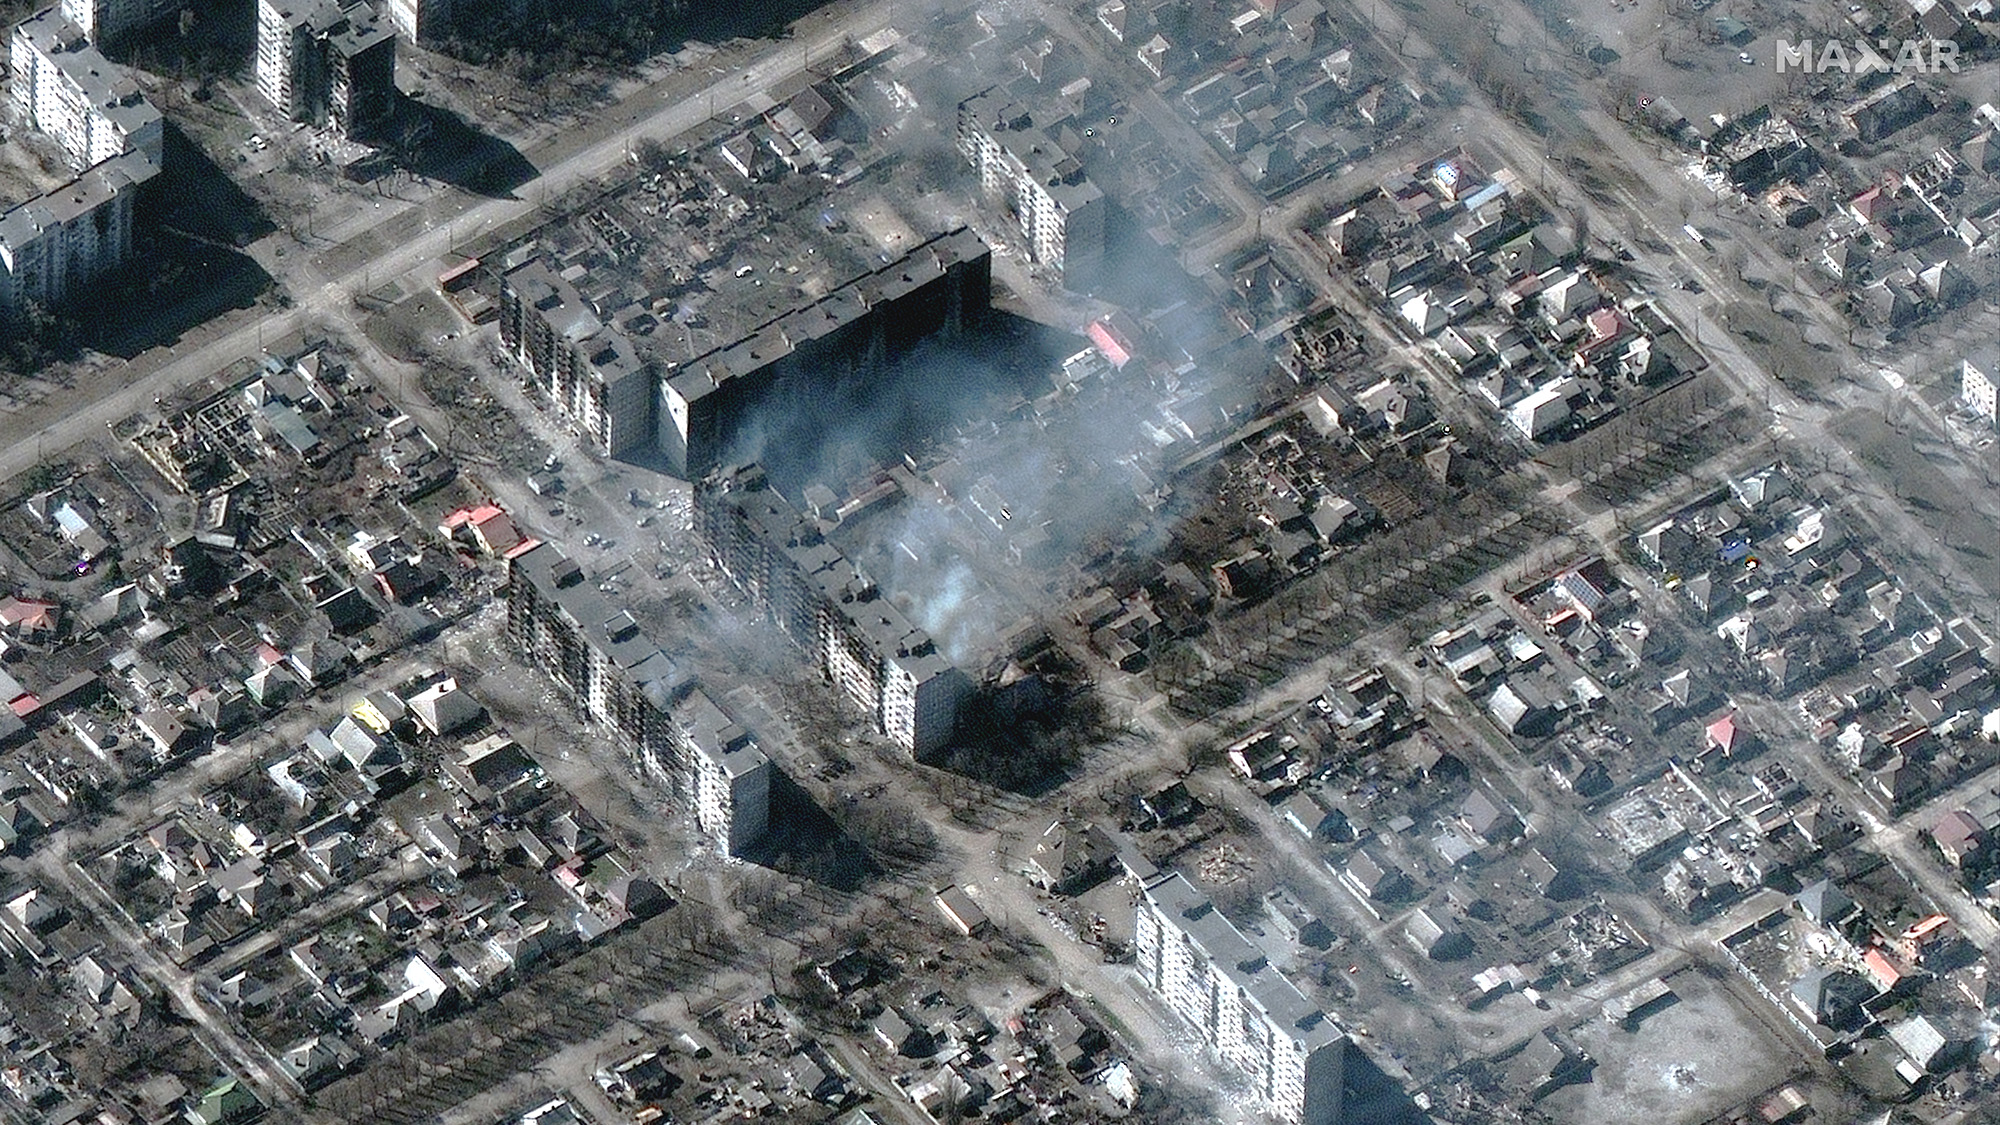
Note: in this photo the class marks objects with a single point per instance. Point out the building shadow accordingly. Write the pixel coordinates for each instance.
(435, 143)
(1141, 273)
(806, 843)
(838, 433)
(712, 22)
(1374, 1097)
(187, 267)
(1028, 750)
(535, 39)
(197, 199)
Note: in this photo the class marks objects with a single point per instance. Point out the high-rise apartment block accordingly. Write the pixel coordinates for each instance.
(54, 244)
(721, 772)
(816, 352)
(326, 64)
(1979, 383)
(1025, 171)
(586, 369)
(621, 680)
(1222, 986)
(110, 21)
(885, 666)
(64, 88)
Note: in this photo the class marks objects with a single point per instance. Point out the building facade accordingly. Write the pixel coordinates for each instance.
(886, 667)
(620, 679)
(725, 776)
(1023, 170)
(421, 21)
(327, 65)
(55, 244)
(1245, 1011)
(1979, 378)
(829, 349)
(586, 370)
(111, 21)
(64, 88)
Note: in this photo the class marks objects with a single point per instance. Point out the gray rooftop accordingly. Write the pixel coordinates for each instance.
(99, 185)
(1244, 964)
(716, 736)
(109, 89)
(350, 29)
(780, 336)
(568, 315)
(609, 629)
(835, 578)
(1012, 127)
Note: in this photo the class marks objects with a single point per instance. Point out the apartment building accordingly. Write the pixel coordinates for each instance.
(109, 22)
(1223, 987)
(619, 678)
(420, 21)
(886, 667)
(725, 776)
(1979, 376)
(594, 650)
(824, 350)
(328, 65)
(53, 245)
(585, 369)
(1026, 172)
(63, 87)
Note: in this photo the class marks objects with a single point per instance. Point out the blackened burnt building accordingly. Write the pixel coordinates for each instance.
(830, 349)
(884, 665)
(619, 678)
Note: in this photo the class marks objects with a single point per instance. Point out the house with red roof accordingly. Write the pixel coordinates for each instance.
(1114, 343)
(487, 527)
(29, 618)
(1724, 735)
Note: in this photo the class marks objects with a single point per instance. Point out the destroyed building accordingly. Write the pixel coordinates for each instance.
(884, 665)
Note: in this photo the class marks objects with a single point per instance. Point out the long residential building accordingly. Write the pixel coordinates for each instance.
(1224, 988)
(64, 88)
(585, 369)
(884, 665)
(110, 21)
(326, 64)
(1025, 171)
(824, 351)
(620, 679)
(55, 244)
(723, 773)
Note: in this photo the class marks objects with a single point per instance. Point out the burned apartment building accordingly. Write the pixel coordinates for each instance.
(57, 243)
(559, 620)
(725, 775)
(421, 21)
(884, 665)
(1043, 187)
(110, 21)
(586, 370)
(54, 244)
(1223, 987)
(325, 64)
(796, 362)
(831, 350)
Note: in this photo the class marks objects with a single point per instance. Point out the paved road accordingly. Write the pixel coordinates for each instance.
(251, 1062)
